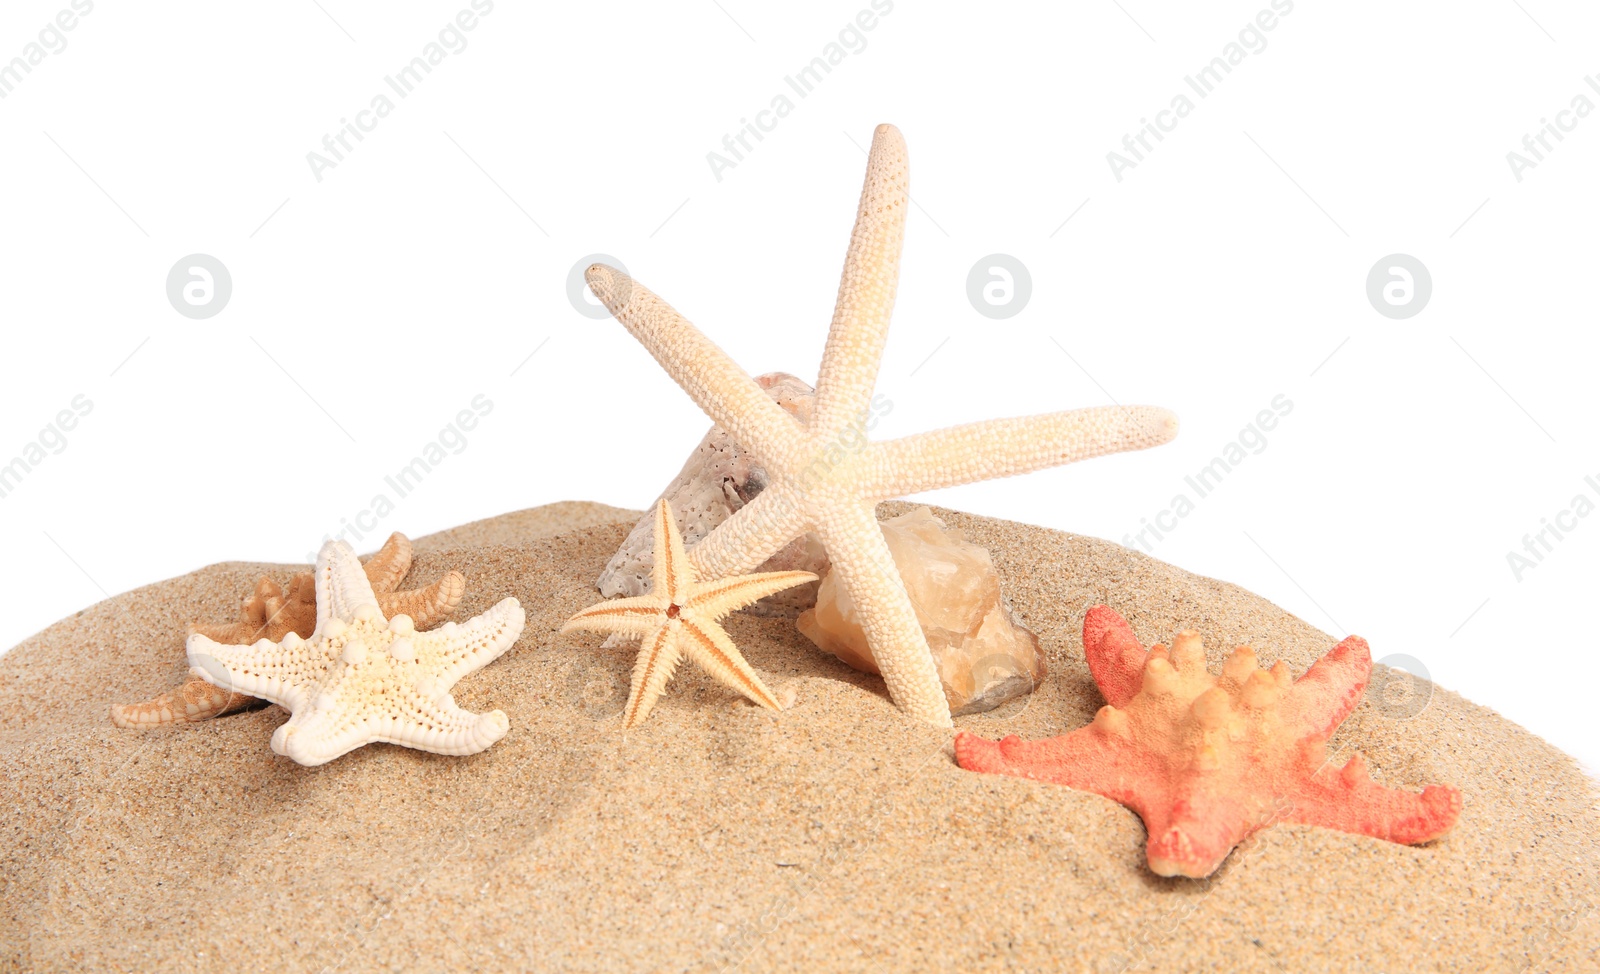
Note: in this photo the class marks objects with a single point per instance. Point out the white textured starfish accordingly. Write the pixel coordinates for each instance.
(362, 678)
(826, 477)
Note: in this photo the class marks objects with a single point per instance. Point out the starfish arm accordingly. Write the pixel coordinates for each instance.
(1326, 693)
(235, 633)
(1351, 801)
(658, 659)
(754, 533)
(714, 381)
(1007, 447)
(1187, 834)
(1116, 657)
(194, 701)
(671, 575)
(342, 585)
(1194, 828)
(866, 288)
(861, 557)
(271, 671)
(386, 568)
(709, 646)
(1090, 758)
(628, 617)
(713, 600)
(452, 652)
(436, 724)
(269, 613)
(429, 606)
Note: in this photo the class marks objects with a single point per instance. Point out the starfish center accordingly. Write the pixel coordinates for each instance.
(673, 610)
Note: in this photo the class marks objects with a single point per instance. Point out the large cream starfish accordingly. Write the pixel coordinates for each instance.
(826, 477)
(363, 678)
(681, 617)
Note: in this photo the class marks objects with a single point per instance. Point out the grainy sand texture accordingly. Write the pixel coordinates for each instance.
(837, 835)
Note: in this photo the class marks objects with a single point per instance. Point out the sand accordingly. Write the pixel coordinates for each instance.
(836, 836)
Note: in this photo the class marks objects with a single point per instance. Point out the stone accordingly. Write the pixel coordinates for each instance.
(718, 479)
(984, 655)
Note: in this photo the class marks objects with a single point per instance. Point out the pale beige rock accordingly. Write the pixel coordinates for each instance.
(985, 656)
(719, 478)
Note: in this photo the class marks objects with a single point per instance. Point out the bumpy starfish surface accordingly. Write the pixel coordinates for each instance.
(826, 477)
(1207, 761)
(362, 677)
(272, 614)
(680, 617)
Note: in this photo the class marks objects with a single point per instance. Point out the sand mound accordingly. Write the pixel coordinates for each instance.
(836, 836)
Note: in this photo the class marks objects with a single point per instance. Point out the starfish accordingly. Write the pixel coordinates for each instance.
(362, 677)
(680, 617)
(271, 614)
(826, 477)
(1206, 761)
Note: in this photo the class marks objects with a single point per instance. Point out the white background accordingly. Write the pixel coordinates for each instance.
(1229, 267)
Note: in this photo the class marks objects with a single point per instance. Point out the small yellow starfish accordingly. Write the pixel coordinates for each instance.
(680, 617)
(825, 476)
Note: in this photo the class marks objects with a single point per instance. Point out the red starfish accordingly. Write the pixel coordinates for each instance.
(1207, 761)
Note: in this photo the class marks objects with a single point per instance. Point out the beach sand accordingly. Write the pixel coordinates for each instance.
(838, 835)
